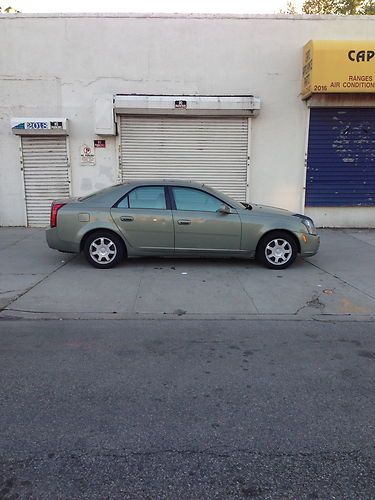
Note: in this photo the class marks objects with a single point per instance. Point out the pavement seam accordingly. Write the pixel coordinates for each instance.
(22, 239)
(356, 238)
(45, 276)
(328, 318)
(247, 294)
(134, 305)
(340, 279)
(22, 274)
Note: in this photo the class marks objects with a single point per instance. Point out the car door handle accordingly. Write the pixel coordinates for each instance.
(184, 222)
(127, 218)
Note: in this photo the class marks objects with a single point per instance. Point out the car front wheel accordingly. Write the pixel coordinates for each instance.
(277, 250)
(103, 249)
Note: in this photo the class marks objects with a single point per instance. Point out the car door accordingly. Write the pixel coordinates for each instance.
(199, 227)
(145, 221)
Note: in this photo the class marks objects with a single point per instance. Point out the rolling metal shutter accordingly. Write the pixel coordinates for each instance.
(208, 150)
(46, 175)
(341, 157)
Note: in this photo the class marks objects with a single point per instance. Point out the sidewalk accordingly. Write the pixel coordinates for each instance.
(337, 283)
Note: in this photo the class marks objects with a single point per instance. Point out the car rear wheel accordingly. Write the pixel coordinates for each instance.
(277, 250)
(103, 249)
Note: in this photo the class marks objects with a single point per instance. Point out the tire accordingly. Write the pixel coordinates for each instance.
(104, 249)
(277, 250)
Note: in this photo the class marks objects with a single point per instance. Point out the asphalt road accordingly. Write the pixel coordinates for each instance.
(187, 409)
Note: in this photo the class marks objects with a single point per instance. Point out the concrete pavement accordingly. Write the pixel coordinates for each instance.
(37, 282)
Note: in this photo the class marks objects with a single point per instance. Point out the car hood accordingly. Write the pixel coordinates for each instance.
(264, 209)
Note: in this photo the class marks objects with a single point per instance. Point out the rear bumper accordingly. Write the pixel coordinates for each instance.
(55, 242)
(310, 244)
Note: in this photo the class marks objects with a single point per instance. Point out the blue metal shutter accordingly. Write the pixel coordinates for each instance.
(341, 157)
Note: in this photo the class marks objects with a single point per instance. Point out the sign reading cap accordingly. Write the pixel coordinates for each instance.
(338, 66)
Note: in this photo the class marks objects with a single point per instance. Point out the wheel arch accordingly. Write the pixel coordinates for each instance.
(287, 231)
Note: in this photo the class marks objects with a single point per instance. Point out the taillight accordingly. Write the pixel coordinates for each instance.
(54, 209)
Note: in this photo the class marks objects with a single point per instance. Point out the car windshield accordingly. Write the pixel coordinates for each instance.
(220, 195)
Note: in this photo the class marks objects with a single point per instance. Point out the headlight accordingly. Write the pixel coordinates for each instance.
(307, 222)
(309, 225)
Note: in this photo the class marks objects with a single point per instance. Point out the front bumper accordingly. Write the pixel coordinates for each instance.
(309, 243)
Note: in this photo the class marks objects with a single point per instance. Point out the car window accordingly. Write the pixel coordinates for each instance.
(194, 199)
(145, 197)
(97, 193)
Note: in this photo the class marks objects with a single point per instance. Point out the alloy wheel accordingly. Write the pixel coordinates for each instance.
(103, 250)
(278, 251)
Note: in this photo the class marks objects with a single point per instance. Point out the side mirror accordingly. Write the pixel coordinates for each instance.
(224, 209)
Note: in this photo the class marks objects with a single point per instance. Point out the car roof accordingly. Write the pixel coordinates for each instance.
(180, 182)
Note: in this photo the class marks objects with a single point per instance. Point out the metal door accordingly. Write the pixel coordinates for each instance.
(213, 151)
(341, 157)
(46, 175)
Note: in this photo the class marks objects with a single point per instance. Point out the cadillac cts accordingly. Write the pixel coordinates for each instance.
(176, 218)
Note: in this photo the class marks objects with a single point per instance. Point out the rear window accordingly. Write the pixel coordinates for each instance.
(101, 191)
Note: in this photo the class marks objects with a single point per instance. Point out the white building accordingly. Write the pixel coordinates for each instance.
(90, 100)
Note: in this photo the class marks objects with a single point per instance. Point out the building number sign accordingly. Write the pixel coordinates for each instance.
(36, 125)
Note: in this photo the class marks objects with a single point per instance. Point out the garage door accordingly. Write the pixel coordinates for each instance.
(341, 157)
(45, 170)
(208, 150)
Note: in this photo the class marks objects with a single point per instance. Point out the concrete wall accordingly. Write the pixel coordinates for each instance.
(57, 66)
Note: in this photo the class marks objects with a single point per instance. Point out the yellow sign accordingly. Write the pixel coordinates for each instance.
(338, 66)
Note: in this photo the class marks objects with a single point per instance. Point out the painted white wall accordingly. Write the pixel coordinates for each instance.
(57, 65)
(342, 216)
